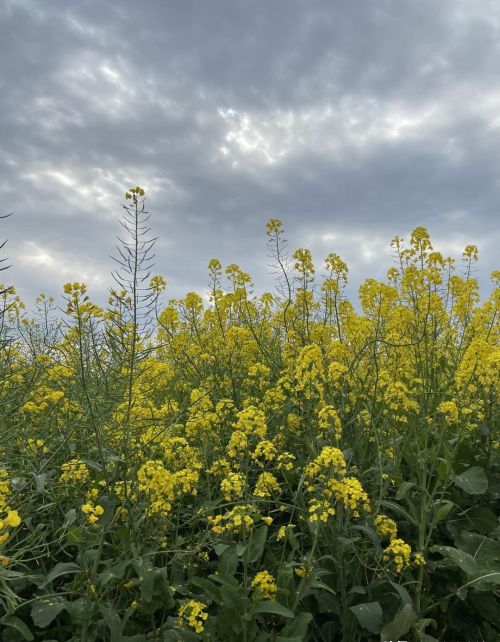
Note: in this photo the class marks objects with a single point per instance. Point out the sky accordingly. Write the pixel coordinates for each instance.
(350, 121)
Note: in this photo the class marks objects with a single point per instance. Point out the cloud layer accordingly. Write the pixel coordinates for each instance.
(350, 121)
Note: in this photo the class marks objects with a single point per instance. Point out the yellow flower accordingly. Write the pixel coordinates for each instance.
(194, 615)
(419, 559)
(12, 519)
(386, 527)
(74, 472)
(266, 486)
(264, 585)
(399, 552)
(232, 486)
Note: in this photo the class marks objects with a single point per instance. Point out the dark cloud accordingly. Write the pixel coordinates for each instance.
(350, 121)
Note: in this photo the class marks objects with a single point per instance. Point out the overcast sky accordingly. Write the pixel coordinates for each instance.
(350, 121)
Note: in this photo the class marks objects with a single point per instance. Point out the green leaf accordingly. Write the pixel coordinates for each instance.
(481, 519)
(257, 543)
(40, 480)
(442, 511)
(403, 489)
(371, 534)
(400, 625)
(114, 573)
(297, 629)
(463, 560)
(69, 517)
(400, 510)
(231, 596)
(402, 592)
(15, 623)
(63, 568)
(74, 536)
(113, 621)
(220, 548)
(211, 589)
(147, 574)
(228, 561)
(472, 481)
(369, 616)
(45, 610)
(276, 608)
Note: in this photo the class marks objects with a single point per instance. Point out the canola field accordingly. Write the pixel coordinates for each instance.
(292, 466)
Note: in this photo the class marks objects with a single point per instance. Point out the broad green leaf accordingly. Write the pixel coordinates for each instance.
(257, 543)
(487, 606)
(403, 489)
(231, 596)
(211, 589)
(442, 511)
(69, 517)
(402, 592)
(63, 568)
(400, 625)
(400, 510)
(463, 560)
(15, 623)
(228, 561)
(220, 548)
(147, 576)
(297, 627)
(75, 536)
(276, 608)
(40, 480)
(369, 615)
(45, 610)
(472, 481)
(113, 621)
(371, 534)
(114, 573)
(481, 519)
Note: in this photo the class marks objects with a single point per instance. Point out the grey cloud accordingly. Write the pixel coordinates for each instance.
(350, 121)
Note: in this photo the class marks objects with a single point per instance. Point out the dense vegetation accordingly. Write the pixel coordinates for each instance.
(278, 467)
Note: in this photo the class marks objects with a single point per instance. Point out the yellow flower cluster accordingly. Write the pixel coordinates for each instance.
(74, 472)
(285, 461)
(134, 193)
(399, 553)
(320, 510)
(449, 410)
(92, 512)
(232, 486)
(252, 421)
(309, 373)
(328, 419)
(266, 486)
(265, 586)
(162, 485)
(385, 526)
(242, 516)
(329, 462)
(237, 445)
(350, 492)
(5, 489)
(193, 614)
(10, 520)
(283, 531)
(264, 452)
(37, 445)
